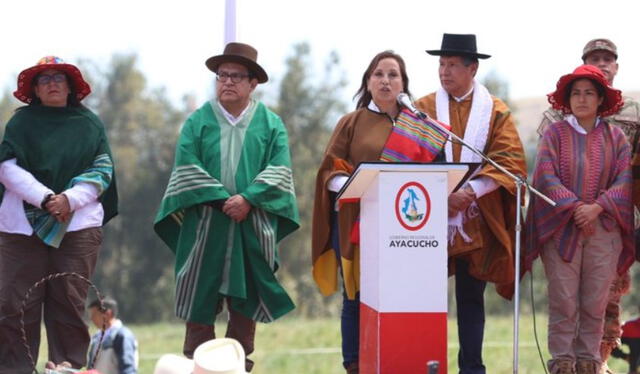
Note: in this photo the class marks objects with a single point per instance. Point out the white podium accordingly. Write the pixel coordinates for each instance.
(403, 263)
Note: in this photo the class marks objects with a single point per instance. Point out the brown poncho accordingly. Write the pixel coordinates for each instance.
(490, 254)
(358, 137)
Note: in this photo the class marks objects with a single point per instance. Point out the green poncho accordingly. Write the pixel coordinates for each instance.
(60, 147)
(216, 257)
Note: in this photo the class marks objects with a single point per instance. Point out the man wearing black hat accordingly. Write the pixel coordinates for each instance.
(603, 53)
(229, 201)
(482, 212)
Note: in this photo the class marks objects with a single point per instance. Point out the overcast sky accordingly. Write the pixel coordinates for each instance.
(532, 42)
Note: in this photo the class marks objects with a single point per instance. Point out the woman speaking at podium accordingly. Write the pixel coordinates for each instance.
(378, 130)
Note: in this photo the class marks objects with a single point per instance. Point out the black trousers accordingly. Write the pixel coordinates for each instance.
(470, 313)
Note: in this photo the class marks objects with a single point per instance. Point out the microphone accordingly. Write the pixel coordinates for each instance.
(404, 100)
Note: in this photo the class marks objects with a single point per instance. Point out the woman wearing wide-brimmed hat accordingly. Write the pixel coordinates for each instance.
(57, 190)
(583, 165)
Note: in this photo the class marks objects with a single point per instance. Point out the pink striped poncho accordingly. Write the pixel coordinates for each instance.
(574, 169)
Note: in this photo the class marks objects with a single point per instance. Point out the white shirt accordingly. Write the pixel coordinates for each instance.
(573, 121)
(461, 98)
(230, 117)
(20, 186)
(483, 185)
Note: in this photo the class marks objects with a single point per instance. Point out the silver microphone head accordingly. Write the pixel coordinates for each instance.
(403, 99)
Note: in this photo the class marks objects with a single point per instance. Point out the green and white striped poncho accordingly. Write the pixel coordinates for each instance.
(216, 257)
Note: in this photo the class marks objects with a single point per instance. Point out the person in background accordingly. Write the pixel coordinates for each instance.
(603, 53)
(630, 337)
(57, 191)
(118, 346)
(229, 201)
(482, 214)
(583, 164)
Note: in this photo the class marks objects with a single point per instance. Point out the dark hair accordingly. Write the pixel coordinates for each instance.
(468, 60)
(363, 95)
(108, 303)
(567, 90)
(465, 59)
(72, 98)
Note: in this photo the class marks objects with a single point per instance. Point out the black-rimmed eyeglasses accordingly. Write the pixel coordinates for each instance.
(46, 78)
(235, 77)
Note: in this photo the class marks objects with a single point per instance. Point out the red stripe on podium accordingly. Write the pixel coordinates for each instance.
(392, 343)
(349, 200)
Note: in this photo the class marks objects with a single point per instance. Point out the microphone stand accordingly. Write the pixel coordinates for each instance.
(519, 182)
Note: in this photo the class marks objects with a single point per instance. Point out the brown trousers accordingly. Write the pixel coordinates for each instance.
(239, 327)
(578, 294)
(24, 260)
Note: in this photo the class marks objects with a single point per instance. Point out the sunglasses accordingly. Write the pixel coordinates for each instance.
(46, 78)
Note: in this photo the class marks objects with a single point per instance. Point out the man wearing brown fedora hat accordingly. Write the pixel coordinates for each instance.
(603, 53)
(482, 212)
(229, 201)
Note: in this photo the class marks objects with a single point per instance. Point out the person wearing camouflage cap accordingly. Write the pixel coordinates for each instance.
(600, 45)
(603, 53)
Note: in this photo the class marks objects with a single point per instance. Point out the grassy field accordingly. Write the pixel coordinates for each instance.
(293, 346)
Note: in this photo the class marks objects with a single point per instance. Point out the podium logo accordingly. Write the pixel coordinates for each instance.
(413, 206)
